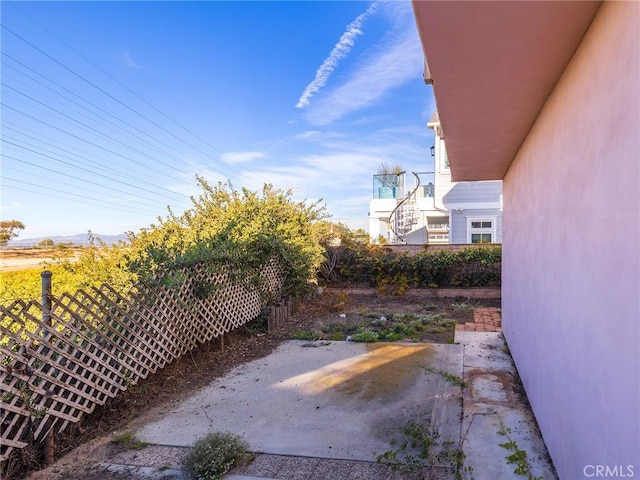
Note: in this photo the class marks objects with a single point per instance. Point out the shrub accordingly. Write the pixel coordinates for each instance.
(392, 273)
(242, 230)
(215, 454)
(365, 336)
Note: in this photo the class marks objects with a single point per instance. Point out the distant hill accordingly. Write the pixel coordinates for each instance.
(78, 239)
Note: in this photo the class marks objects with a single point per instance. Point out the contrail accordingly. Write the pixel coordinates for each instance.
(340, 50)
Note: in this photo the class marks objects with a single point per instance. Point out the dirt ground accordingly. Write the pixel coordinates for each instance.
(340, 317)
(84, 445)
(16, 259)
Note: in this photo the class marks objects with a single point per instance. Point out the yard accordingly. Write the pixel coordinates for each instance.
(328, 317)
(368, 318)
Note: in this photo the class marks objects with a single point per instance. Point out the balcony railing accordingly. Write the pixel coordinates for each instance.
(388, 185)
(427, 185)
(438, 226)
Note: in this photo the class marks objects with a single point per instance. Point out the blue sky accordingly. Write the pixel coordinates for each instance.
(110, 109)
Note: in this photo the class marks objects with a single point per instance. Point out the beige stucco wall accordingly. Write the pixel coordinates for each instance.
(571, 263)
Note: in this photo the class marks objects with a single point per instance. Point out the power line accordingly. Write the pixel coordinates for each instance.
(90, 62)
(47, 189)
(70, 134)
(68, 175)
(93, 105)
(104, 91)
(62, 182)
(79, 154)
(86, 127)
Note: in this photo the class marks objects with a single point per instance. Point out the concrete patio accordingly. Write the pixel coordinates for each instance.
(315, 410)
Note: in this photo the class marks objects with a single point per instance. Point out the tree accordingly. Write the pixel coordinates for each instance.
(8, 230)
(47, 242)
(386, 169)
(390, 173)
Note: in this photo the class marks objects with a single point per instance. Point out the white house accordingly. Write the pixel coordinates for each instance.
(406, 212)
(474, 208)
(545, 96)
(432, 208)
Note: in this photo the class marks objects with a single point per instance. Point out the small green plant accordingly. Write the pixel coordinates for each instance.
(379, 322)
(449, 377)
(518, 457)
(26, 395)
(128, 441)
(462, 307)
(257, 326)
(6, 397)
(337, 336)
(365, 336)
(413, 452)
(215, 454)
(455, 457)
(307, 335)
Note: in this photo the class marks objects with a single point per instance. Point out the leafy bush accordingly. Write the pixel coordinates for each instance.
(244, 230)
(392, 272)
(214, 455)
(365, 336)
(241, 230)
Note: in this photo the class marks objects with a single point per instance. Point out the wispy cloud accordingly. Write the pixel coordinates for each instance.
(335, 166)
(397, 65)
(241, 157)
(318, 136)
(339, 51)
(397, 59)
(128, 61)
(318, 175)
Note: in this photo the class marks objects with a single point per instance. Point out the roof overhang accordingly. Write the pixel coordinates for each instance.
(493, 65)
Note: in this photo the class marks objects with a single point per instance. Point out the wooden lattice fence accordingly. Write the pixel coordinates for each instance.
(99, 343)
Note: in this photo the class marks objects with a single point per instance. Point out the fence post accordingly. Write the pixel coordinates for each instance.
(49, 452)
(46, 299)
(271, 322)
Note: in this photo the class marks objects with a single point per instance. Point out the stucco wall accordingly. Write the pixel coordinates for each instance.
(571, 241)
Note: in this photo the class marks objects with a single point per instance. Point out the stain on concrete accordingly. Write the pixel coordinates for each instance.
(494, 387)
(386, 371)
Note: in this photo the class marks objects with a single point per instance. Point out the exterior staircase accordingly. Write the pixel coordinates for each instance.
(405, 216)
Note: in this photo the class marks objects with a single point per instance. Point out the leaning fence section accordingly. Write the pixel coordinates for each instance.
(61, 358)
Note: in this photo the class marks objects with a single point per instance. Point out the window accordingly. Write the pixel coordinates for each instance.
(444, 158)
(480, 238)
(481, 230)
(429, 190)
(481, 224)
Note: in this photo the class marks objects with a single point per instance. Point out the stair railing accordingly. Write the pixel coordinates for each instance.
(395, 219)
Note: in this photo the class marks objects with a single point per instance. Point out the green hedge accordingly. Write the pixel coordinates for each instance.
(355, 264)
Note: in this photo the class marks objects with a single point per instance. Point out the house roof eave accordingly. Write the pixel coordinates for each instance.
(493, 65)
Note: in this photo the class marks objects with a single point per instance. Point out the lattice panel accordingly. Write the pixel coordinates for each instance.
(100, 343)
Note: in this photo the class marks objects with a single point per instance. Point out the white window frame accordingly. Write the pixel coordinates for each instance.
(492, 230)
(444, 158)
